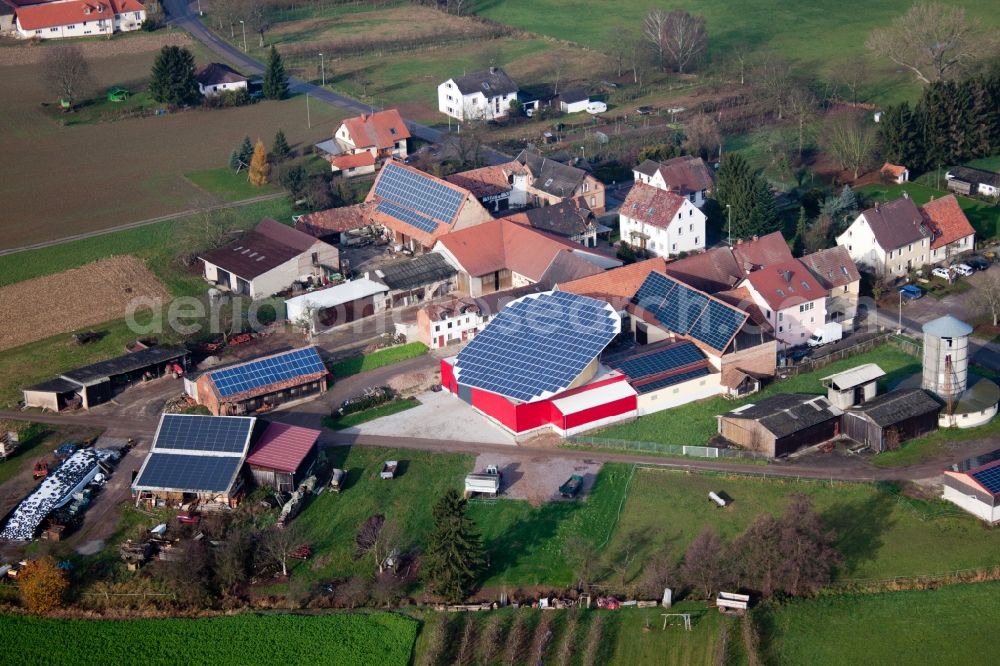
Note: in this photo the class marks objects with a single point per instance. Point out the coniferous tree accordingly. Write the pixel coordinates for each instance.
(260, 170)
(234, 160)
(798, 243)
(747, 193)
(173, 78)
(245, 151)
(275, 77)
(280, 148)
(454, 557)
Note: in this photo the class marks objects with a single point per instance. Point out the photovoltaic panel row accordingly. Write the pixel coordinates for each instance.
(718, 324)
(537, 346)
(267, 371)
(989, 478)
(218, 434)
(676, 356)
(189, 472)
(671, 380)
(408, 216)
(419, 192)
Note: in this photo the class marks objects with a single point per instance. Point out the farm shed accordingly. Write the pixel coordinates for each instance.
(262, 383)
(977, 490)
(900, 415)
(574, 101)
(340, 304)
(195, 458)
(97, 383)
(853, 387)
(781, 424)
(283, 456)
(413, 281)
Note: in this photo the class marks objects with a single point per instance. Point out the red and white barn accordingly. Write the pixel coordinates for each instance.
(536, 367)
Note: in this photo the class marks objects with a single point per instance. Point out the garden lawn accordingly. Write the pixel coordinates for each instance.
(378, 359)
(983, 217)
(951, 625)
(229, 185)
(351, 420)
(695, 423)
(989, 163)
(335, 638)
(880, 534)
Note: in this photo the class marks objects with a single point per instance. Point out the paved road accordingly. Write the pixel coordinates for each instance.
(181, 15)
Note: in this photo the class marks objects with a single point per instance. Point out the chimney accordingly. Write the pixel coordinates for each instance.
(493, 70)
(876, 206)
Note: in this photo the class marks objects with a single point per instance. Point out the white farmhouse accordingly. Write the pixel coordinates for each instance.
(889, 239)
(687, 176)
(482, 95)
(362, 143)
(216, 78)
(77, 18)
(792, 301)
(661, 222)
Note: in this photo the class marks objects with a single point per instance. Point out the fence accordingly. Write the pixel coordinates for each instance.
(667, 449)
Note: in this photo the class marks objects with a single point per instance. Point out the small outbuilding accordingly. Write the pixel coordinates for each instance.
(977, 490)
(888, 420)
(853, 387)
(781, 424)
(574, 101)
(895, 173)
(215, 79)
(340, 304)
(413, 281)
(283, 456)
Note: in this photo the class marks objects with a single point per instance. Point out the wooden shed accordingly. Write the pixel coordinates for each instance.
(283, 456)
(781, 424)
(898, 415)
(853, 387)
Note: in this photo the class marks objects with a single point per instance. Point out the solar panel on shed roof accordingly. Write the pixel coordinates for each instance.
(989, 478)
(219, 434)
(671, 380)
(538, 345)
(418, 192)
(718, 324)
(267, 371)
(664, 360)
(412, 218)
(687, 311)
(193, 473)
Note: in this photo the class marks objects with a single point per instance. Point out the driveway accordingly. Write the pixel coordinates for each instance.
(537, 479)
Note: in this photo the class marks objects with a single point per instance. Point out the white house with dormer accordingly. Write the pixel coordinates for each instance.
(485, 95)
(661, 222)
(77, 18)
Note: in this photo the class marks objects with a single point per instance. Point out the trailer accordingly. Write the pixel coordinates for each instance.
(389, 469)
(572, 486)
(487, 482)
(731, 601)
(9, 442)
(336, 480)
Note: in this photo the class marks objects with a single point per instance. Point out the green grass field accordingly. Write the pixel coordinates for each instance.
(694, 423)
(341, 638)
(378, 359)
(880, 534)
(357, 418)
(950, 625)
(229, 185)
(983, 217)
(930, 446)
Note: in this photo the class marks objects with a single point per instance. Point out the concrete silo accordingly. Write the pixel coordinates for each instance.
(946, 357)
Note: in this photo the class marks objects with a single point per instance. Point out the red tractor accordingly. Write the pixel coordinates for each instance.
(40, 470)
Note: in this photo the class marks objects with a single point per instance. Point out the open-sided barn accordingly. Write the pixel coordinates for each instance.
(283, 456)
(887, 420)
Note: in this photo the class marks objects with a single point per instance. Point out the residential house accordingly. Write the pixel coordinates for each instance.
(340, 304)
(347, 225)
(484, 95)
(895, 173)
(412, 281)
(886, 421)
(459, 319)
(723, 268)
(687, 176)
(549, 182)
(616, 286)
(363, 142)
(793, 301)
(966, 180)
(781, 424)
(216, 78)
(417, 209)
(574, 101)
(501, 255)
(569, 219)
(268, 260)
(889, 239)
(77, 18)
(661, 222)
(836, 272)
(498, 188)
(953, 234)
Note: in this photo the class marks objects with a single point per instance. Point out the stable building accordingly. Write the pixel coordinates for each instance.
(781, 424)
(263, 383)
(668, 374)
(283, 456)
(98, 383)
(341, 304)
(195, 458)
(886, 421)
(412, 281)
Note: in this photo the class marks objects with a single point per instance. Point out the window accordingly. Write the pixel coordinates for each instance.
(696, 240)
(53, 29)
(806, 307)
(70, 27)
(690, 212)
(690, 227)
(437, 328)
(910, 248)
(675, 246)
(691, 197)
(680, 232)
(767, 313)
(449, 324)
(781, 316)
(586, 186)
(781, 329)
(138, 15)
(593, 201)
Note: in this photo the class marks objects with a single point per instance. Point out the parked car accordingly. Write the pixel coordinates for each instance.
(978, 263)
(965, 270)
(911, 292)
(596, 107)
(941, 272)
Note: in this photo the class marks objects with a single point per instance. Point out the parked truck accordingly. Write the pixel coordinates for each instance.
(831, 332)
(389, 469)
(486, 482)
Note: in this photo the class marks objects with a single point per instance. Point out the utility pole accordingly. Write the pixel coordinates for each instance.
(729, 212)
(322, 67)
(244, 26)
(900, 325)
(308, 117)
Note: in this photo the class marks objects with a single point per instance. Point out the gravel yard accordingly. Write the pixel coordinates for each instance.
(539, 480)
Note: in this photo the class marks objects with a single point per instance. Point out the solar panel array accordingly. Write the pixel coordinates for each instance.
(687, 311)
(671, 380)
(537, 346)
(216, 434)
(267, 371)
(664, 360)
(989, 478)
(189, 472)
(428, 201)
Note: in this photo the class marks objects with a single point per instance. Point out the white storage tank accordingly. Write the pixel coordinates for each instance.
(946, 356)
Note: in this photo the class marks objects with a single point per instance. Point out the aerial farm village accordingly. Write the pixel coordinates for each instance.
(499, 333)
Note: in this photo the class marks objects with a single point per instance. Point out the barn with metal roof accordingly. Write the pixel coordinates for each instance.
(283, 456)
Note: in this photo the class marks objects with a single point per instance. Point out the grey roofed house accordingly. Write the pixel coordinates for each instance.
(566, 218)
(567, 266)
(412, 273)
(979, 176)
(896, 223)
(787, 413)
(215, 73)
(552, 177)
(492, 81)
(832, 267)
(648, 168)
(897, 406)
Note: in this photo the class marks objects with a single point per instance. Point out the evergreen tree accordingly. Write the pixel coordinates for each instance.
(764, 214)
(798, 243)
(982, 119)
(280, 148)
(234, 160)
(275, 78)
(454, 557)
(245, 151)
(749, 197)
(173, 78)
(898, 133)
(259, 168)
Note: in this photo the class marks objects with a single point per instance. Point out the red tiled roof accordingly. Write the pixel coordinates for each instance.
(54, 14)
(763, 251)
(353, 161)
(892, 169)
(618, 285)
(651, 205)
(710, 271)
(832, 267)
(283, 447)
(786, 284)
(381, 129)
(945, 218)
(488, 180)
(686, 174)
(324, 222)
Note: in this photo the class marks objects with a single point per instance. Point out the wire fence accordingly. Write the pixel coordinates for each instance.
(667, 449)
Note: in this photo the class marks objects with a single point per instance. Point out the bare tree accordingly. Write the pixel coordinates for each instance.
(582, 556)
(755, 556)
(685, 40)
(817, 235)
(619, 47)
(277, 545)
(853, 78)
(807, 555)
(802, 106)
(851, 143)
(654, 31)
(66, 71)
(558, 70)
(987, 297)
(468, 143)
(491, 641)
(702, 566)
(257, 15)
(702, 136)
(933, 41)
(770, 81)
(203, 231)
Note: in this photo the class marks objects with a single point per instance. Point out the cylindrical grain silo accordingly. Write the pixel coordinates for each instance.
(946, 356)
